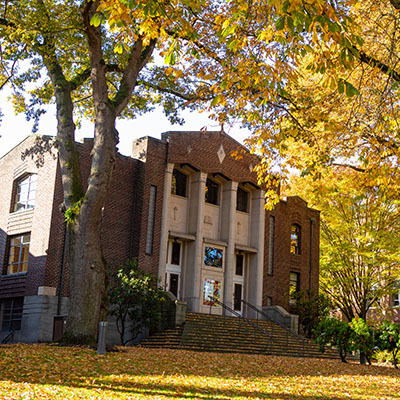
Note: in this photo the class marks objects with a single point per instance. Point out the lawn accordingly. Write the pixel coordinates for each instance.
(50, 372)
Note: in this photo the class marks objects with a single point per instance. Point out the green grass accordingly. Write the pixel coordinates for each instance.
(51, 372)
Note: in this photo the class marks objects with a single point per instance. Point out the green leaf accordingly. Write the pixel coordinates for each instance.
(280, 24)
(96, 20)
(351, 90)
(341, 86)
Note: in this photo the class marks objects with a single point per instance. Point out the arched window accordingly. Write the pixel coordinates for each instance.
(295, 239)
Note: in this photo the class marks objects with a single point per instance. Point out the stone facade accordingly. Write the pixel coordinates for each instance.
(222, 244)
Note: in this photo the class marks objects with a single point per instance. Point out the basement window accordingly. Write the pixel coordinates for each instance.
(11, 314)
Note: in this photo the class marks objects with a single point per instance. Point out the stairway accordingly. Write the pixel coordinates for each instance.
(203, 332)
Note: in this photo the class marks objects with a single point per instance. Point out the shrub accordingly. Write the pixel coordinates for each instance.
(135, 300)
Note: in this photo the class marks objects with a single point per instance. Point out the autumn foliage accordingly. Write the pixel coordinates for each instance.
(50, 372)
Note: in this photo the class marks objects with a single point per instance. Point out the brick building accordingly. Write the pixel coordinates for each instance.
(183, 206)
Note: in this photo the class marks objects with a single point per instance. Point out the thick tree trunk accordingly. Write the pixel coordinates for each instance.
(87, 266)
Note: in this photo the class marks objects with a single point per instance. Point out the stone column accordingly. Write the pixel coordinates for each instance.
(193, 287)
(164, 224)
(228, 223)
(256, 261)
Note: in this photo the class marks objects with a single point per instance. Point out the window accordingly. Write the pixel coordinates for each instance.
(269, 301)
(176, 253)
(151, 219)
(211, 192)
(295, 237)
(213, 257)
(211, 291)
(18, 254)
(271, 245)
(242, 200)
(11, 310)
(239, 265)
(396, 294)
(294, 286)
(178, 186)
(25, 193)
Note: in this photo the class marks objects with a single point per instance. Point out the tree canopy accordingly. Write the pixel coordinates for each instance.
(360, 225)
(316, 81)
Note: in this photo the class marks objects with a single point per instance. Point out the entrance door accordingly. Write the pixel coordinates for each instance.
(237, 297)
(173, 268)
(173, 283)
(238, 283)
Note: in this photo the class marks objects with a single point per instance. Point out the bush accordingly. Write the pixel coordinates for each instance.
(389, 341)
(135, 300)
(331, 331)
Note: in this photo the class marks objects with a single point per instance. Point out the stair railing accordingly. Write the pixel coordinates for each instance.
(9, 337)
(244, 319)
(269, 318)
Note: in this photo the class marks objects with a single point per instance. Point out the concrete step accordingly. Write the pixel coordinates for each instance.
(214, 333)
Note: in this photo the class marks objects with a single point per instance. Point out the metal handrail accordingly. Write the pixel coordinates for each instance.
(8, 337)
(255, 326)
(268, 317)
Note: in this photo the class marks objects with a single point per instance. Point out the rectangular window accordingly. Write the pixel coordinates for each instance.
(294, 286)
(242, 200)
(151, 220)
(211, 192)
(25, 193)
(211, 291)
(239, 265)
(11, 314)
(176, 253)
(271, 245)
(213, 257)
(269, 301)
(178, 186)
(295, 239)
(396, 294)
(18, 253)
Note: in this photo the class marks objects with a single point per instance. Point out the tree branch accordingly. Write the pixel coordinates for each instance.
(171, 91)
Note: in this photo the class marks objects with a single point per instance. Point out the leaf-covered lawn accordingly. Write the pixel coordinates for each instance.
(50, 372)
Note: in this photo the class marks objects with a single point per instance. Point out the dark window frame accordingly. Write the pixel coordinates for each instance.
(151, 219)
(271, 245)
(176, 249)
(11, 314)
(242, 200)
(179, 183)
(212, 192)
(293, 283)
(239, 267)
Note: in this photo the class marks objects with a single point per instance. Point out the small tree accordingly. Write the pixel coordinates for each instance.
(311, 309)
(135, 300)
(331, 331)
(389, 340)
(363, 339)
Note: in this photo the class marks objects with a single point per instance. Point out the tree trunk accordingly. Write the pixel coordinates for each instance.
(87, 266)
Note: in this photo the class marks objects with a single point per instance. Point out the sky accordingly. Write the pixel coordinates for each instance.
(14, 128)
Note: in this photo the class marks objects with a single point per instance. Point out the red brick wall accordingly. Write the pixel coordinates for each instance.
(200, 150)
(153, 174)
(44, 164)
(292, 211)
